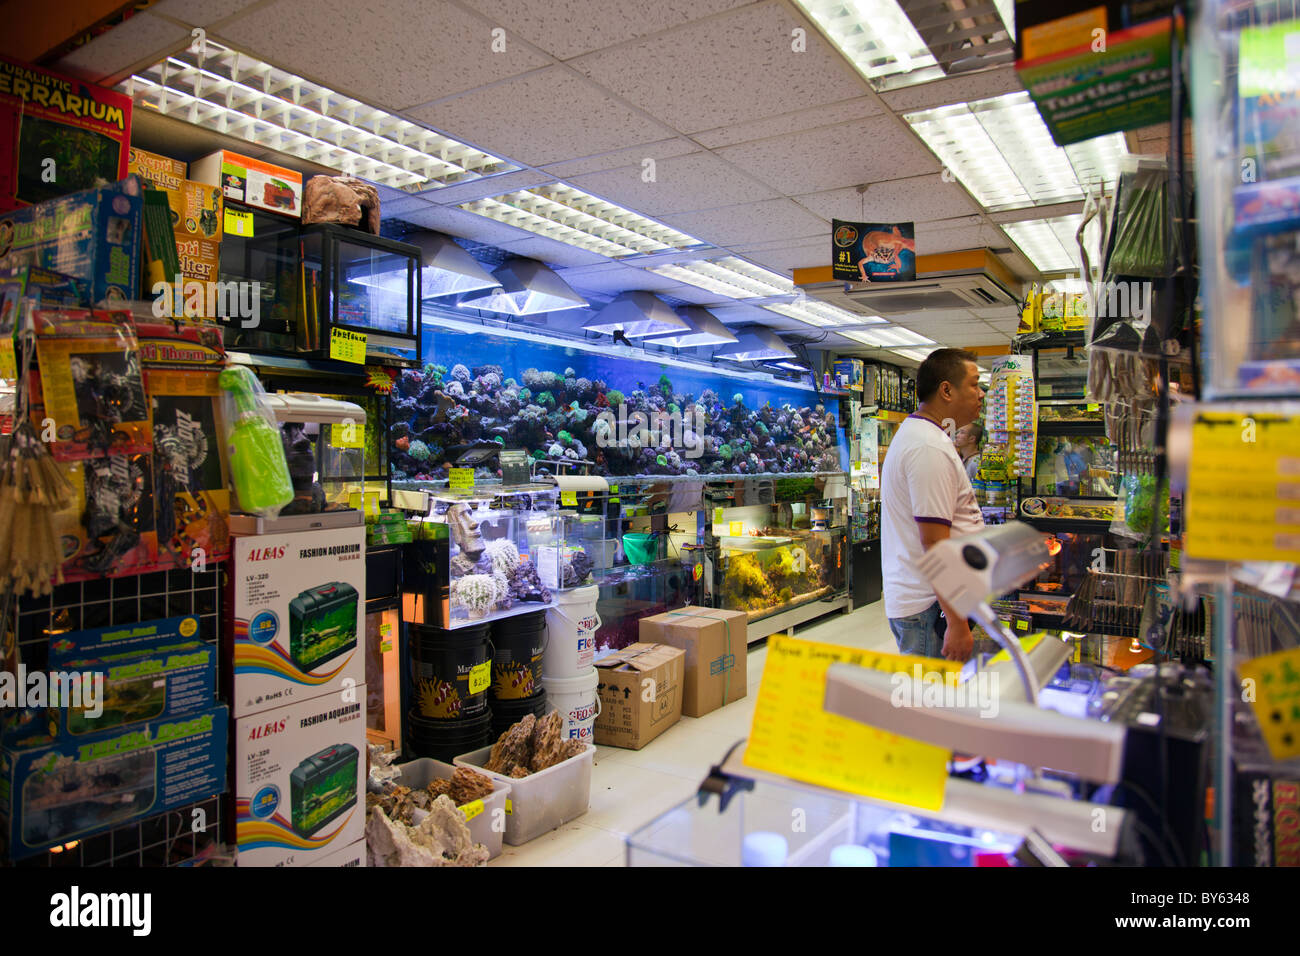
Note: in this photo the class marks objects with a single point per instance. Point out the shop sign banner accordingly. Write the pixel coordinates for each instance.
(873, 251)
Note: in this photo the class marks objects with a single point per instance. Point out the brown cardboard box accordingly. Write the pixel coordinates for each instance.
(160, 172)
(640, 693)
(715, 642)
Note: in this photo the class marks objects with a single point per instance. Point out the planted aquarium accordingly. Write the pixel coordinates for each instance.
(625, 416)
(770, 572)
(322, 624)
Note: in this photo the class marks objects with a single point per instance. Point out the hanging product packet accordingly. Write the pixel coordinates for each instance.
(88, 399)
(259, 468)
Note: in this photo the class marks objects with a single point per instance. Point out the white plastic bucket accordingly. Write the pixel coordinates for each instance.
(571, 633)
(578, 705)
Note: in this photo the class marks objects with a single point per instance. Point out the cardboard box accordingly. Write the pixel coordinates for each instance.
(716, 645)
(251, 181)
(155, 171)
(354, 855)
(640, 692)
(78, 787)
(57, 134)
(93, 236)
(298, 617)
(300, 780)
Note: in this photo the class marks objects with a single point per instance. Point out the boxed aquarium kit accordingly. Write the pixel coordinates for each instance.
(57, 134)
(81, 786)
(251, 181)
(93, 236)
(298, 602)
(300, 780)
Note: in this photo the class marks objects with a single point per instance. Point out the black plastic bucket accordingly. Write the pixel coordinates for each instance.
(508, 712)
(451, 671)
(517, 646)
(446, 739)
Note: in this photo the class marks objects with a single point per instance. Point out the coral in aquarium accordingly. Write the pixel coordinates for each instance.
(503, 554)
(476, 593)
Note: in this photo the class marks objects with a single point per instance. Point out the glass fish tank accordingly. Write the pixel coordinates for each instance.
(623, 416)
(324, 441)
(766, 573)
(1074, 465)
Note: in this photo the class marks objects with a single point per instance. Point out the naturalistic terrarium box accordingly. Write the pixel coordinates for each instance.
(58, 134)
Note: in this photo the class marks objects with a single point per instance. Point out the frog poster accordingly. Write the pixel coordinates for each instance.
(873, 251)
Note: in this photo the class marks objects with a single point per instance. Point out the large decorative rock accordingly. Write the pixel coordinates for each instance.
(441, 839)
(546, 742)
(341, 199)
(513, 749)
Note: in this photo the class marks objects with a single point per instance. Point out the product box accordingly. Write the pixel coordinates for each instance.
(58, 134)
(640, 692)
(354, 855)
(81, 786)
(197, 211)
(93, 236)
(155, 171)
(251, 181)
(300, 780)
(848, 374)
(298, 616)
(715, 642)
(23, 291)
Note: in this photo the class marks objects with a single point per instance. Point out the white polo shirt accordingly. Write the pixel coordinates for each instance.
(923, 480)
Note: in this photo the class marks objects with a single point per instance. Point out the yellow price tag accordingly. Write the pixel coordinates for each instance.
(348, 435)
(736, 529)
(569, 498)
(461, 479)
(472, 809)
(8, 362)
(1022, 625)
(480, 677)
(385, 646)
(348, 346)
(717, 515)
(510, 807)
(1078, 650)
(1027, 644)
(1275, 682)
(238, 223)
(386, 630)
(1094, 407)
(794, 736)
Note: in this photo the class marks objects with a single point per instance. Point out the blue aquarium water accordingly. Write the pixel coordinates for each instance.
(629, 416)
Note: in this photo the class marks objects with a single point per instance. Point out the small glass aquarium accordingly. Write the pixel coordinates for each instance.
(1074, 464)
(766, 573)
(324, 443)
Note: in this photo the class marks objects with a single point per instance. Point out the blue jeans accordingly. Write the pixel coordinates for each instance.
(916, 634)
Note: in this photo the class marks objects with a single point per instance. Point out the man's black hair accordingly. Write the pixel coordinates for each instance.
(942, 365)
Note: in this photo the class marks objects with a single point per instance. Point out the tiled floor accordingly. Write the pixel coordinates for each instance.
(631, 787)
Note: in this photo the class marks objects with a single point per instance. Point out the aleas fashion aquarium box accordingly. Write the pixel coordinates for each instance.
(298, 604)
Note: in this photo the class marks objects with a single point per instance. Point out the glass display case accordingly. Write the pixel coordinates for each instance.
(324, 444)
(312, 280)
(480, 555)
(1072, 462)
(631, 592)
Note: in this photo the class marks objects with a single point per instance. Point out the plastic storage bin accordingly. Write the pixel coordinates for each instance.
(418, 774)
(542, 801)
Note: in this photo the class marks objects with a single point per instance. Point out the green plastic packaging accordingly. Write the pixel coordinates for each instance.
(257, 463)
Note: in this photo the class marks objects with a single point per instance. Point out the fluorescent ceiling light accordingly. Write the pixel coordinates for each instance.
(729, 276)
(580, 219)
(636, 315)
(233, 93)
(448, 269)
(877, 38)
(755, 345)
(1002, 152)
(1049, 243)
(821, 314)
(888, 337)
(526, 288)
(916, 355)
(702, 328)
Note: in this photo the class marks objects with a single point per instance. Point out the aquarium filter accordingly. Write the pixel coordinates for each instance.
(322, 624)
(322, 787)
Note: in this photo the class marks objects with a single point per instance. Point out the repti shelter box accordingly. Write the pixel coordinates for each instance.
(86, 785)
(640, 690)
(297, 616)
(299, 783)
(715, 643)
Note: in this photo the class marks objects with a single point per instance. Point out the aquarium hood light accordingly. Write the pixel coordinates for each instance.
(732, 277)
(526, 287)
(636, 315)
(703, 328)
(229, 92)
(558, 211)
(755, 345)
(448, 269)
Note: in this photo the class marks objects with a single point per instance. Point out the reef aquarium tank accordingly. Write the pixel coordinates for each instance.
(626, 416)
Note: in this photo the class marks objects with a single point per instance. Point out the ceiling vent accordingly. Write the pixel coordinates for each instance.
(965, 280)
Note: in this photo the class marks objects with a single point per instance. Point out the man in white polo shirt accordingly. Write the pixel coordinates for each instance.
(926, 497)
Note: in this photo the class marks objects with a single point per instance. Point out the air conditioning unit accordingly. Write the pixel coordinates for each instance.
(973, 279)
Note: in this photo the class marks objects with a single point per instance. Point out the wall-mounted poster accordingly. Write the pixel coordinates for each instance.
(873, 251)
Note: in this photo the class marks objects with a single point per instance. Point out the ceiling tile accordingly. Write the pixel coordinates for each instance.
(972, 336)
(804, 119)
(486, 186)
(955, 89)
(732, 68)
(990, 314)
(750, 222)
(681, 184)
(632, 156)
(953, 235)
(458, 222)
(553, 252)
(917, 199)
(958, 316)
(568, 28)
(860, 151)
(541, 117)
(199, 13)
(138, 42)
(395, 55)
(788, 257)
